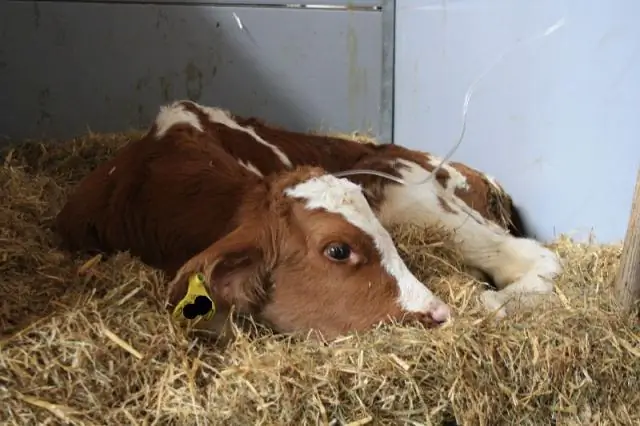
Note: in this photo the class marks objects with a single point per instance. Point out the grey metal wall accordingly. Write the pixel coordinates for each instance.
(66, 67)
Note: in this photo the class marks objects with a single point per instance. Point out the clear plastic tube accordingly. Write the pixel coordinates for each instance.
(465, 108)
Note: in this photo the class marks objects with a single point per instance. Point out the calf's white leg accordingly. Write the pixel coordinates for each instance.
(521, 268)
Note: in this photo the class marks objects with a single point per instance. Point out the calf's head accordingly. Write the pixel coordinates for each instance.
(309, 253)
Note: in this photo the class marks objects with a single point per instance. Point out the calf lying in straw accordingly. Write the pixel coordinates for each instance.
(257, 211)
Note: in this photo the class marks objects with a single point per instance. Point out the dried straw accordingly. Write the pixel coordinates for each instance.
(86, 341)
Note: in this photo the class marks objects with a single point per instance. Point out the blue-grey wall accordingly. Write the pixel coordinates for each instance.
(557, 120)
(66, 67)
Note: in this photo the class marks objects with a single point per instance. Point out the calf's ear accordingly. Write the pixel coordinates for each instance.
(238, 277)
(235, 272)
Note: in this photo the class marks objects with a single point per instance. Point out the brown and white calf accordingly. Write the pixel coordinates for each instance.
(486, 223)
(184, 186)
(300, 249)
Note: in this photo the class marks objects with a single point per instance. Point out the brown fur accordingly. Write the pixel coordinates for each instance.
(184, 205)
(272, 266)
(336, 154)
(151, 199)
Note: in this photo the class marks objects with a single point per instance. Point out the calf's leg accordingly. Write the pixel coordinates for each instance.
(521, 268)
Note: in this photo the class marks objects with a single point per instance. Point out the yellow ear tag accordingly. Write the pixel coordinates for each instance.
(196, 303)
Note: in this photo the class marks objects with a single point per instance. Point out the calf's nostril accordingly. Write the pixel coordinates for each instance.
(434, 317)
(420, 317)
(428, 321)
(431, 318)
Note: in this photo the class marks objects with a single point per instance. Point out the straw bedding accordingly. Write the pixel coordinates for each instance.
(91, 344)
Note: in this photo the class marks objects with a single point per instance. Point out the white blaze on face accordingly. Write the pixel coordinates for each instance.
(344, 197)
(173, 114)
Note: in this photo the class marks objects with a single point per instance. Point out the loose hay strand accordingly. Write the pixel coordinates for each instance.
(99, 348)
(60, 411)
(118, 341)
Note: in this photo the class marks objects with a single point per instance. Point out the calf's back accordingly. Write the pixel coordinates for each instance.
(163, 199)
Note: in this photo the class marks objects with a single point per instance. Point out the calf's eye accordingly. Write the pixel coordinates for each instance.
(338, 252)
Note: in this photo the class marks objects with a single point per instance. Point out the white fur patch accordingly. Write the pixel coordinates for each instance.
(519, 266)
(456, 179)
(249, 166)
(220, 116)
(173, 114)
(344, 197)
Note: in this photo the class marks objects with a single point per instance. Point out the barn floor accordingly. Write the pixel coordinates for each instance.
(92, 345)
